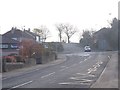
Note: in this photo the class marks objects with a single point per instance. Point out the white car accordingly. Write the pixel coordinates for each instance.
(87, 48)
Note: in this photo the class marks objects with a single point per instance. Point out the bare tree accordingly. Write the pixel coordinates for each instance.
(43, 32)
(69, 30)
(60, 30)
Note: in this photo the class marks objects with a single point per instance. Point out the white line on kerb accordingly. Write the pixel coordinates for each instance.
(47, 75)
(22, 84)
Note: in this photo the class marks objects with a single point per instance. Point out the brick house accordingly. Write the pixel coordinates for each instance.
(100, 39)
(11, 39)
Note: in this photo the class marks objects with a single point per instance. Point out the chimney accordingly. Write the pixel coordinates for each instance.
(29, 29)
(13, 30)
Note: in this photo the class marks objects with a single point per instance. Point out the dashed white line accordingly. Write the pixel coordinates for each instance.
(22, 84)
(48, 75)
(64, 68)
(73, 65)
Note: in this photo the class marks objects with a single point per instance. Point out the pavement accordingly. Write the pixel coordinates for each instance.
(16, 72)
(109, 76)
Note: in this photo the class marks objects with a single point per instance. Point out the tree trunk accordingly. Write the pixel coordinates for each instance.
(60, 37)
(68, 39)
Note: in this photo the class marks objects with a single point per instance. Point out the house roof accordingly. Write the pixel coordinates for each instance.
(30, 33)
(17, 33)
(101, 31)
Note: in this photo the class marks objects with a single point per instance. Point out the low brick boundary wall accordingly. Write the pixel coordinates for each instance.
(30, 62)
(12, 66)
(46, 59)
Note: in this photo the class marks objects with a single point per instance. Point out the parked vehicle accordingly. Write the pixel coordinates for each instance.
(13, 57)
(87, 48)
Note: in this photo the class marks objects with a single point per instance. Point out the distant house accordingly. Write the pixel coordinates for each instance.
(11, 40)
(100, 39)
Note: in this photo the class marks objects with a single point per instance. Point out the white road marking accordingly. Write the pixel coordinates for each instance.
(4, 78)
(48, 75)
(91, 75)
(86, 74)
(80, 62)
(81, 74)
(89, 71)
(85, 59)
(64, 83)
(99, 62)
(73, 65)
(98, 65)
(80, 79)
(94, 69)
(85, 83)
(74, 83)
(64, 68)
(86, 80)
(75, 78)
(109, 57)
(76, 54)
(89, 57)
(22, 84)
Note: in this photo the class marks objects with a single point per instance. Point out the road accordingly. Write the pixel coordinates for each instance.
(80, 70)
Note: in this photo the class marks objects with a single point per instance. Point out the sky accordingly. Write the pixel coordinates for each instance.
(83, 14)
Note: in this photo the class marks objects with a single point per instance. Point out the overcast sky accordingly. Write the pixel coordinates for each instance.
(84, 14)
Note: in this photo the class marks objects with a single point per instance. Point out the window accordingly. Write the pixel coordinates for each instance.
(3, 46)
(37, 38)
(14, 46)
(14, 38)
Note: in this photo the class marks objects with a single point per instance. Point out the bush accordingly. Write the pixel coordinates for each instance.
(30, 49)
